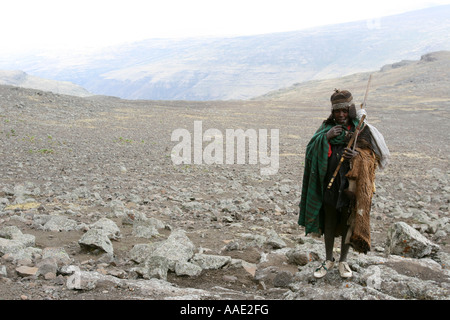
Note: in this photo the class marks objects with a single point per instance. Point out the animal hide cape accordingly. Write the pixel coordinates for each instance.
(361, 179)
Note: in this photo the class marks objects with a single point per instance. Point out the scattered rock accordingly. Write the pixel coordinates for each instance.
(3, 271)
(283, 279)
(108, 226)
(177, 248)
(274, 240)
(96, 239)
(144, 231)
(47, 268)
(56, 223)
(9, 246)
(153, 267)
(183, 268)
(298, 257)
(206, 261)
(59, 255)
(140, 252)
(406, 241)
(14, 233)
(25, 271)
(22, 254)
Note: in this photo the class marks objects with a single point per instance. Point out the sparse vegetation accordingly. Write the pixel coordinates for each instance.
(124, 140)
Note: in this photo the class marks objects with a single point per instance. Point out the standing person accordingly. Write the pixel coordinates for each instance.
(330, 211)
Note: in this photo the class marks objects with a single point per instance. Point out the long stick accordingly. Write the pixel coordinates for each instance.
(355, 134)
(363, 104)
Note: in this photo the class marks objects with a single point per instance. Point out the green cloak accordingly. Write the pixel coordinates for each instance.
(316, 163)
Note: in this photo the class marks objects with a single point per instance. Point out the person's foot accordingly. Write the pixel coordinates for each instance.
(323, 269)
(344, 270)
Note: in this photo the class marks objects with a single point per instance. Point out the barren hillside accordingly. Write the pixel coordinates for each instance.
(21, 79)
(411, 82)
(72, 166)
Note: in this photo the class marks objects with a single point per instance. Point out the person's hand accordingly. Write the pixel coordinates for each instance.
(334, 132)
(349, 153)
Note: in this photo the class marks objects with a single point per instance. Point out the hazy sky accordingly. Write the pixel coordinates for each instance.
(66, 24)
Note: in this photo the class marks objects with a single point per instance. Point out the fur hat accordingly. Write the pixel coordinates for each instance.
(343, 99)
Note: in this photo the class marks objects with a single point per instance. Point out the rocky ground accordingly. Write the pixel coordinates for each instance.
(92, 206)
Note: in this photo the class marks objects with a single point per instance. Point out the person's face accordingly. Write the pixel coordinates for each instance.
(340, 115)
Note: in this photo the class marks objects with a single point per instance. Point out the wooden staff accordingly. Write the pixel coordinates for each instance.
(355, 134)
(363, 104)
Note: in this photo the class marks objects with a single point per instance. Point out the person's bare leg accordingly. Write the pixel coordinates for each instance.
(344, 250)
(329, 231)
(344, 247)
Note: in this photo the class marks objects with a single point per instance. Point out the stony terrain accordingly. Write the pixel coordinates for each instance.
(92, 207)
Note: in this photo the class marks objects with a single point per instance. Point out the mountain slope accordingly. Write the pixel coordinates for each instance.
(245, 67)
(21, 79)
(421, 83)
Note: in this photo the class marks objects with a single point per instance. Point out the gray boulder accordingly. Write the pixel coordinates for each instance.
(406, 241)
(96, 239)
(145, 231)
(208, 261)
(274, 240)
(141, 251)
(47, 268)
(58, 254)
(177, 247)
(16, 253)
(109, 226)
(144, 227)
(14, 245)
(14, 233)
(183, 268)
(154, 267)
(55, 223)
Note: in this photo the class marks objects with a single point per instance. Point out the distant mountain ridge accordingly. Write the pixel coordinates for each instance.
(423, 82)
(21, 79)
(245, 67)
